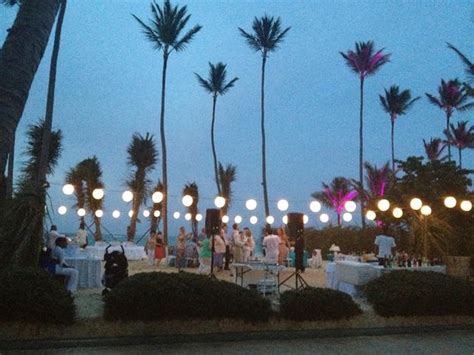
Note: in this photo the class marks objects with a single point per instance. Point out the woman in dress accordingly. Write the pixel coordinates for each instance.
(249, 247)
(181, 249)
(150, 248)
(219, 247)
(283, 247)
(159, 249)
(81, 236)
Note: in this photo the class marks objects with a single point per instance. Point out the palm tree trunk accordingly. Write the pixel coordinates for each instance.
(393, 144)
(164, 208)
(264, 160)
(338, 219)
(21, 54)
(48, 120)
(361, 149)
(460, 158)
(11, 162)
(448, 116)
(98, 232)
(216, 175)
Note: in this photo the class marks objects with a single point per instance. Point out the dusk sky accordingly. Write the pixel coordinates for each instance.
(109, 85)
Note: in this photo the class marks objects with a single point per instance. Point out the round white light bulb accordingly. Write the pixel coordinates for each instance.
(315, 206)
(397, 212)
(253, 220)
(350, 206)
(81, 212)
(116, 214)
(251, 204)
(187, 200)
(324, 217)
(157, 197)
(383, 205)
(68, 189)
(146, 213)
(347, 216)
(156, 213)
(219, 201)
(187, 216)
(450, 202)
(62, 210)
(99, 213)
(270, 219)
(416, 203)
(283, 205)
(370, 215)
(127, 196)
(176, 215)
(199, 217)
(225, 219)
(98, 194)
(425, 210)
(238, 219)
(130, 213)
(305, 219)
(466, 205)
(285, 219)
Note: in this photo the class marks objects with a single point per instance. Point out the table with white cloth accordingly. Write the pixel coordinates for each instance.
(90, 270)
(132, 251)
(349, 276)
(240, 269)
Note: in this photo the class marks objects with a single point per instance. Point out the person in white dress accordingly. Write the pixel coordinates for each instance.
(62, 268)
(271, 243)
(53, 235)
(249, 247)
(81, 236)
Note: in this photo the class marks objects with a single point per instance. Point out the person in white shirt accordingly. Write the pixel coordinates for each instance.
(249, 247)
(81, 236)
(62, 268)
(53, 235)
(271, 244)
(238, 241)
(228, 246)
(385, 244)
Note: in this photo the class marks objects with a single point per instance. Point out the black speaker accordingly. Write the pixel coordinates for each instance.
(295, 225)
(213, 221)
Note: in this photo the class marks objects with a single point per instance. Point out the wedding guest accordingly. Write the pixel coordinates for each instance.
(385, 243)
(283, 247)
(205, 256)
(219, 252)
(160, 249)
(228, 246)
(81, 236)
(271, 243)
(181, 249)
(62, 268)
(239, 243)
(249, 247)
(53, 235)
(150, 247)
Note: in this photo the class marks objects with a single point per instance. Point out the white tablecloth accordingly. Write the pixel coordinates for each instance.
(132, 252)
(90, 271)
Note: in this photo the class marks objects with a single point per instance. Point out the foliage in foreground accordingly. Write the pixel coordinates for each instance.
(32, 295)
(411, 293)
(317, 304)
(163, 296)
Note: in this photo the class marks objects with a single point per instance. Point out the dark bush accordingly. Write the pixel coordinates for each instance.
(317, 304)
(158, 295)
(411, 293)
(32, 295)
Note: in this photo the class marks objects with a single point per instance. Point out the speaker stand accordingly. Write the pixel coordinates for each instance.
(211, 275)
(300, 282)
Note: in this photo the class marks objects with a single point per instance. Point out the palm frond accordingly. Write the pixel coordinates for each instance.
(186, 39)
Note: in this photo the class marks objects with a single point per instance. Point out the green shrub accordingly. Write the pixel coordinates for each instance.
(32, 295)
(411, 293)
(158, 295)
(317, 304)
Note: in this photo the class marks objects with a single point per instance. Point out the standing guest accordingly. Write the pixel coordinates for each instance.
(284, 246)
(239, 243)
(202, 236)
(205, 256)
(219, 252)
(81, 235)
(53, 235)
(228, 246)
(249, 247)
(62, 268)
(385, 243)
(271, 243)
(150, 247)
(160, 249)
(181, 249)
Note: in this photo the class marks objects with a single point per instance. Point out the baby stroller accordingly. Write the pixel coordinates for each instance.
(116, 269)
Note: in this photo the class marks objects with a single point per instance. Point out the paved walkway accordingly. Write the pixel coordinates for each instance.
(450, 342)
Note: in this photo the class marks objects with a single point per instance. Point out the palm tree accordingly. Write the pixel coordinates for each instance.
(164, 32)
(461, 137)
(434, 148)
(227, 176)
(90, 171)
(266, 37)
(336, 195)
(142, 156)
(378, 180)
(192, 190)
(20, 57)
(396, 103)
(469, 68)
(74, 177)
(452, 96)
(48, 120)
(155, 220)
(216, 85)
(364, 62)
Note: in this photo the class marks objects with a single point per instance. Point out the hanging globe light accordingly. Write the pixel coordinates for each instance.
(62, 210)
(238, 219)
(324, 217)
(347, 217)
(225, 219)
(466, 205)
(283, 205)
(219, 201)
(81, 212)
(253, 220)
(370, 215)
(187, 200)
(130, 213)
(251, 204)
(425, 210)
(450, 202)
(285, 219)
(157, 197)
(350, 206)
(127, 196)
(383, 205)
(416, 203)
(199, 217)
(270, 219)
(315, 206)
(176, 215)
(305, 219)
(397, 212)
(187, 216)
(156, 213)
(116, 214)
(99, 213)
(68, 189)
(98, 194)
(146, 213)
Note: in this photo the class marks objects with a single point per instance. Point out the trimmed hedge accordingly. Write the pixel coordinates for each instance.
(32, 295)
(159, 295)
(412, 293)
(317, 304)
